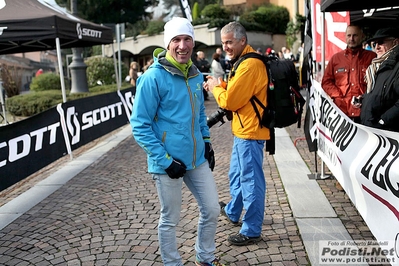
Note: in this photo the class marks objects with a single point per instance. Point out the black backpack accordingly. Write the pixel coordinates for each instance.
(284, 100)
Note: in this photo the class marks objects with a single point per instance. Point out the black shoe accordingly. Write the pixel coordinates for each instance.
(223, 212)
(241, 240)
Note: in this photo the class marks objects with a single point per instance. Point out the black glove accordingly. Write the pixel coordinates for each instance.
(176, 170)
(210, 155)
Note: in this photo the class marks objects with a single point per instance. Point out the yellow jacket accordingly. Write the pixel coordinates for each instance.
(249, 79)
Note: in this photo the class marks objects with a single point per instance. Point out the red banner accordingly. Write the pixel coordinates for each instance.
(334, 31)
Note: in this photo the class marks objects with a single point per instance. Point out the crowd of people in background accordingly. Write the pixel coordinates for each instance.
(218, 66)
(134, 72)
(348, 96)
(283, 53)
(362, 80)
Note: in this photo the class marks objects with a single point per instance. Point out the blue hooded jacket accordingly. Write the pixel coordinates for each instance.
(168, 118)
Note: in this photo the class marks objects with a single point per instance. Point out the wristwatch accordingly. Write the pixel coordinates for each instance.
(381, 122)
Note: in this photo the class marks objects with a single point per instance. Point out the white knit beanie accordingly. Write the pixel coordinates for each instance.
(177, 26)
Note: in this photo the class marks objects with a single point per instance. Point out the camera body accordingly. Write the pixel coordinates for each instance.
(357, 100)
(218, 116)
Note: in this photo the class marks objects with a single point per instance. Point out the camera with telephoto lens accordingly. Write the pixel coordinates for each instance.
(218, 117)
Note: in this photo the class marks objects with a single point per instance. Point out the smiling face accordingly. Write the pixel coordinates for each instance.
(181, 48)
(233, 46)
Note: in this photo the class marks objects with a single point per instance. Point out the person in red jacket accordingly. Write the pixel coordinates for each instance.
(344, 76)
(39, 72)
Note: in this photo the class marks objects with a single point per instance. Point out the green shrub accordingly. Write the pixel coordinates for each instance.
(200, 21)
(218, 22)
(294, 29)
(36, 102)
(46, 82)
(33, 103)
(106, 88)
(102, 69)
(252, 26)
(266, 18)
(271, 18)
(215, 11)
(154, 27)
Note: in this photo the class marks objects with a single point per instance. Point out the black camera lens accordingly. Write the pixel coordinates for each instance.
(216, 117)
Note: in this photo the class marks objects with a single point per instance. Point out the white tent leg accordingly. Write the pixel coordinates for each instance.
(57, 42)
(3, 105)
(322, 176)
(115, 67)
(323, 44)
(118, 34)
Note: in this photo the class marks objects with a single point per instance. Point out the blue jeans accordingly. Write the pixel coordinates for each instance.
(202, 185)
(247, 185)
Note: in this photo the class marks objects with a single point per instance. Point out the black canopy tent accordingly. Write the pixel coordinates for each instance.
(351, 5)
(374, 19)
(38, 25)
(33, 25)
(367, 13)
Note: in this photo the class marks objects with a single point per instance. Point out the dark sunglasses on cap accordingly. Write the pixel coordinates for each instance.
(381, 41)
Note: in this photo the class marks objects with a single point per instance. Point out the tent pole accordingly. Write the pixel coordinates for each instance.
(323, 66)
(3, 104)
(118, 35)
(323, 44)
(57, 42)
(115, 66)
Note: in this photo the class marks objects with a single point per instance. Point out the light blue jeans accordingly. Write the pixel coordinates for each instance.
(247, 185)
(202, 185)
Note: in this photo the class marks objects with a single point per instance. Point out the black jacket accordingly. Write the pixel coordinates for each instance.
(383, 101)
(203, 65)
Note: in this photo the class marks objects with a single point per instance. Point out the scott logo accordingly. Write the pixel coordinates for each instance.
(79, 31)
(73, 125)
(87, 32)
(2, 29)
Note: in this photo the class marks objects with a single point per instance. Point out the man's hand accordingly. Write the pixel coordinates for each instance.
(211, 83)
(176, 170)
(210, 155)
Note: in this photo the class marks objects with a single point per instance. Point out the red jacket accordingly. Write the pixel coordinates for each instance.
(344, 77)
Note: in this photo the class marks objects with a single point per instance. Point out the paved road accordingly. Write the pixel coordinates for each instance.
(102, 209)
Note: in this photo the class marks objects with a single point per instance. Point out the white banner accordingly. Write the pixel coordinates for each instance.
(365, 162)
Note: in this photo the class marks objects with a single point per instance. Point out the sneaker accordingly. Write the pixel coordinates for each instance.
(215, 262)
(242, 240)
(223, 212)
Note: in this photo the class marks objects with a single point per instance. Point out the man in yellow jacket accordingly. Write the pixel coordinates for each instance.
(246, 177)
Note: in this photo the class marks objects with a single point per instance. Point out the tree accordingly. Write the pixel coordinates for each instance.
(12, 79)
(195, 11)
(111, 11)
(215, 11)
(169, 3)
(294, 28)
(102, 69)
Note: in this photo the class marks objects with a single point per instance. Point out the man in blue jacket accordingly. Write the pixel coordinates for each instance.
(169, 123)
